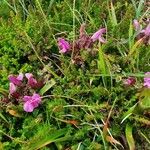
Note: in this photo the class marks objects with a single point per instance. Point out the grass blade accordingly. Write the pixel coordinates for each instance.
(2, 116)
(112, 14)
(131, 40)
(44, 137)
(140, 8)
(128, 113)
(129, 137)
(47, 86)
(102, 64)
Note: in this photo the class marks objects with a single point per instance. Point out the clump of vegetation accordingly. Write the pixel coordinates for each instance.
(91, 84)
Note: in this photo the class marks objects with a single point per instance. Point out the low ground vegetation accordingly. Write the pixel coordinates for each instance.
(74, 75)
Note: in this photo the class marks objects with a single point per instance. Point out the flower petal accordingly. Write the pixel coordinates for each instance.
(27, 98)
(36, 96)
(147, 30)
(36, 100)
(64, 45)
(129, 81)
(12, 88)
(28, 107)
(31, 102)
(31, 81)
(14, 80)
(98, 35)
(102, 40)
(20, 76)
(63, 50)
(147, 80)
(28, 75)
(136, 24)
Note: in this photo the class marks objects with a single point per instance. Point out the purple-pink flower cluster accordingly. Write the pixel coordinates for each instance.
(23, 89)
(130, 81)
(65, 46)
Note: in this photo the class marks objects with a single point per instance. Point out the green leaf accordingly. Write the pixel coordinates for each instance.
(113, 13)
(3, 91)
(131, 39)
(145, 103)
(142, 120)
(128, 113)
(44, 137)
(145, 99)
(129, 137)
(2, 116)
(146, 138)
(47, 86)
(102, 64)
(1, 146)
(133, 50)
(139, 8)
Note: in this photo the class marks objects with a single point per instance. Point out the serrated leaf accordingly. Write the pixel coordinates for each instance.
(47, 86)
(129, 137)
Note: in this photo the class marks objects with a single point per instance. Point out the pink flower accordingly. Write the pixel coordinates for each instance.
(98, 35)
(16, 80)
(129, 81)
(64, 46)
(147, 30)
(31, 81)
(31, 102)
(137, 27)
(12, 88)
(136, 24)
(147, 80)
(144, 35)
